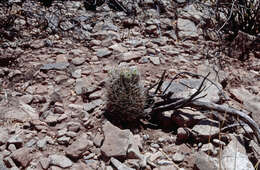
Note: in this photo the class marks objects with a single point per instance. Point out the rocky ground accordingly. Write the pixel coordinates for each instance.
(53, 66)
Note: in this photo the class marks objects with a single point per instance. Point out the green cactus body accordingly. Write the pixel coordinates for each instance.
(125, 94)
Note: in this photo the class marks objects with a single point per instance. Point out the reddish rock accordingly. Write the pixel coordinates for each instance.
(22, 156)
(77, 148)
(116, 141)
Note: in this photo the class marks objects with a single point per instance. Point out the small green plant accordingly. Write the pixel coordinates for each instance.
(125, 94)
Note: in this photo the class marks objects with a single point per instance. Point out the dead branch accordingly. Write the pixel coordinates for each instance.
(234, 112)
(168, 103)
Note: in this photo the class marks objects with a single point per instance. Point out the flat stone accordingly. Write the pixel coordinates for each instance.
(98, 139)
(2, 164)
(80, 166)
(64, 140)
(26, 98)
(191, 12)
(118, 165)
(52, 119)
(205, 162)
(41, 144)
(77, 73)
(55, 66)
(16, 140)
(180, 90)
(78, 61)
(45, 162)
(73, 126)
(178, 157)
(60, 161)
(11, 147)
(19, 111)
(3, 135)
(118, 48)
(84, 85)
(206, 128)
(131, 55)
(23, 156)
(116, 141)
(187, 28)
(60, 78)
(92, 105)
(96, 95)
(187, 117)
(155, 60)
(233, 159)
(167, 167)
(78, 147)
(104, 52)
(249, 100)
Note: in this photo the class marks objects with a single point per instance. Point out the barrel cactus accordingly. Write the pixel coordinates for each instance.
(125, 94)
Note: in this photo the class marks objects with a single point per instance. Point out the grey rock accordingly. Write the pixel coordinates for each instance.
(103, 35)
(256, 148)
(180, 90)
(131, 55)
(164, 162)
(205, 162)
(232, 158)
(2, 164)
(92, 105)
(84, 85)
(79, 166)
(98, 139)
(109, 26)
(155, 60)
(60, 79)
(60, 161)
(16, 140)
(11, 147)
(118, 165)
(96, 95)
(118, 48)
(77, 148)
(103, 52)
(19, 111)
(178, 157)
(187, 117)
(5, 153)
(64, 140)
(187, 28)
(55, 66)
(192, 13)
(181, 1)
(8, 161)
(167, 167)
(41, 144)
(92, 164)
(31, 142)
(206, 128)
(78, 61)
(209, 149)
(26, 99)
(3, 135)
(116, 141)
(71, 134)
(182, 134)
(77, 73)
(61, 132)
(52, 119)
(250, 101)
(45, 162)
(73, 126)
